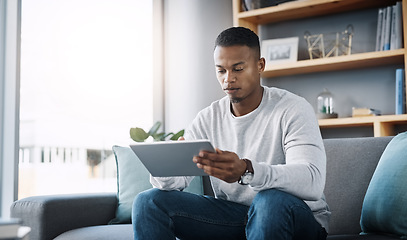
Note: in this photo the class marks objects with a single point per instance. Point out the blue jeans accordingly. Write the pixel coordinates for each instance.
(273, 215)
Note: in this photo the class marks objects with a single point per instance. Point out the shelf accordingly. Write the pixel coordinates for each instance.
(353, 61)
(382, 125)
(299, 9)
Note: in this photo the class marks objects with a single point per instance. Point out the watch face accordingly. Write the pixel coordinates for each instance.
(247, 178)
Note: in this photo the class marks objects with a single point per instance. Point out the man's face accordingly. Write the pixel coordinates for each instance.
(238, 70)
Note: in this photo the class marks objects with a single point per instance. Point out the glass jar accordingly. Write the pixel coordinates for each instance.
(325, 102)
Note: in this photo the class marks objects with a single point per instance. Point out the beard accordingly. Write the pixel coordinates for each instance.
(235, 99)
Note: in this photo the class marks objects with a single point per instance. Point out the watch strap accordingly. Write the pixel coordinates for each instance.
(249, 166)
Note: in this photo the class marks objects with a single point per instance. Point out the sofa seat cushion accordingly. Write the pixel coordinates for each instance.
(350, 165)
(108, 232)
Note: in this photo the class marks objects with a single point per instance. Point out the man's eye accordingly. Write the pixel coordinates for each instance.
(221, 71)
(238, 69)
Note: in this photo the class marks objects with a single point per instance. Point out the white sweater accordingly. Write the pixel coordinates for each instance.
(281, 138)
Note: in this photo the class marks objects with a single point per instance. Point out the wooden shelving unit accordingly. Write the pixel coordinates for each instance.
(360, 60)
(299, 9)
(382, 125)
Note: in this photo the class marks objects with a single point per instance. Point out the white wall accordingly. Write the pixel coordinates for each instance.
(190, 30)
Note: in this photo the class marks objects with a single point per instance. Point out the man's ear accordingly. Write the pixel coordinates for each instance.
(261, 64)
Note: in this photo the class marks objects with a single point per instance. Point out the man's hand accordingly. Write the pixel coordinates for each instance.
(223, 165)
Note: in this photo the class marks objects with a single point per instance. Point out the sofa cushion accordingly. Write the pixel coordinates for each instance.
(385, 204)
(108, 232)
(133, 178)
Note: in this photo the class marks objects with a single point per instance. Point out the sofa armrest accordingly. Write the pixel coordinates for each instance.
(49, 216)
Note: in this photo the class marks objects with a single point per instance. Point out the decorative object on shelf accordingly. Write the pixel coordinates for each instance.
(248, 5)
(363, 112)
(281, 50)
(326, 105)
(329, 44)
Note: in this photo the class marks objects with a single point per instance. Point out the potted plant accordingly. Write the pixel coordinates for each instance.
(139, 135)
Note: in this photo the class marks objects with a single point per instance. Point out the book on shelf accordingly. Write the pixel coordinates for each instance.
(387, 25)
(23, 232)
(400, 92)
(396, 27)
(389, 28)
(379, 29)
(9, 228)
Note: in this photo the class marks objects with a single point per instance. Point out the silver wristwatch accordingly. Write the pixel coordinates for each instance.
(248, 175)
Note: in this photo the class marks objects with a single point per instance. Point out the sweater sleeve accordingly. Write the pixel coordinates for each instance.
(170, 183)
(303, 173)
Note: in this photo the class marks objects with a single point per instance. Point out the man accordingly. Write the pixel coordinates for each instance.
(268, 171)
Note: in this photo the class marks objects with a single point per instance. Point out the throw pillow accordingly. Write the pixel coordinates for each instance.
(133, 178)
(384, 208)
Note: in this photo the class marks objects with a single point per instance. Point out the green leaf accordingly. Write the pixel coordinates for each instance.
(166, 135)
(177, 135)
(153, 130)
(138, 134)
(158, 136)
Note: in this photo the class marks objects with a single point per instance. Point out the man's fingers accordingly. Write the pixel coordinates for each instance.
(214, 156)
(204, 161)
(226, 176)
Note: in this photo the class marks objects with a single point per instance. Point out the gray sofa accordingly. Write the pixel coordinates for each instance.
(350, 166)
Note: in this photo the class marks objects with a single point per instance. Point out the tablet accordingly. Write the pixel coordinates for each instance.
(171, 158)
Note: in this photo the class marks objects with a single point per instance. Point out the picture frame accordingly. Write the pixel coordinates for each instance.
(281, 50)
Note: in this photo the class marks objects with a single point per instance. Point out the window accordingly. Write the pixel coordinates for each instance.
(86, 78)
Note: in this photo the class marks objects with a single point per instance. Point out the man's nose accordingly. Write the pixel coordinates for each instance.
(229, 77)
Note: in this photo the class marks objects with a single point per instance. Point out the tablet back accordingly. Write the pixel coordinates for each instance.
(171, 158)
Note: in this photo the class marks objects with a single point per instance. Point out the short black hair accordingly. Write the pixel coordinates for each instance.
(238, 36)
